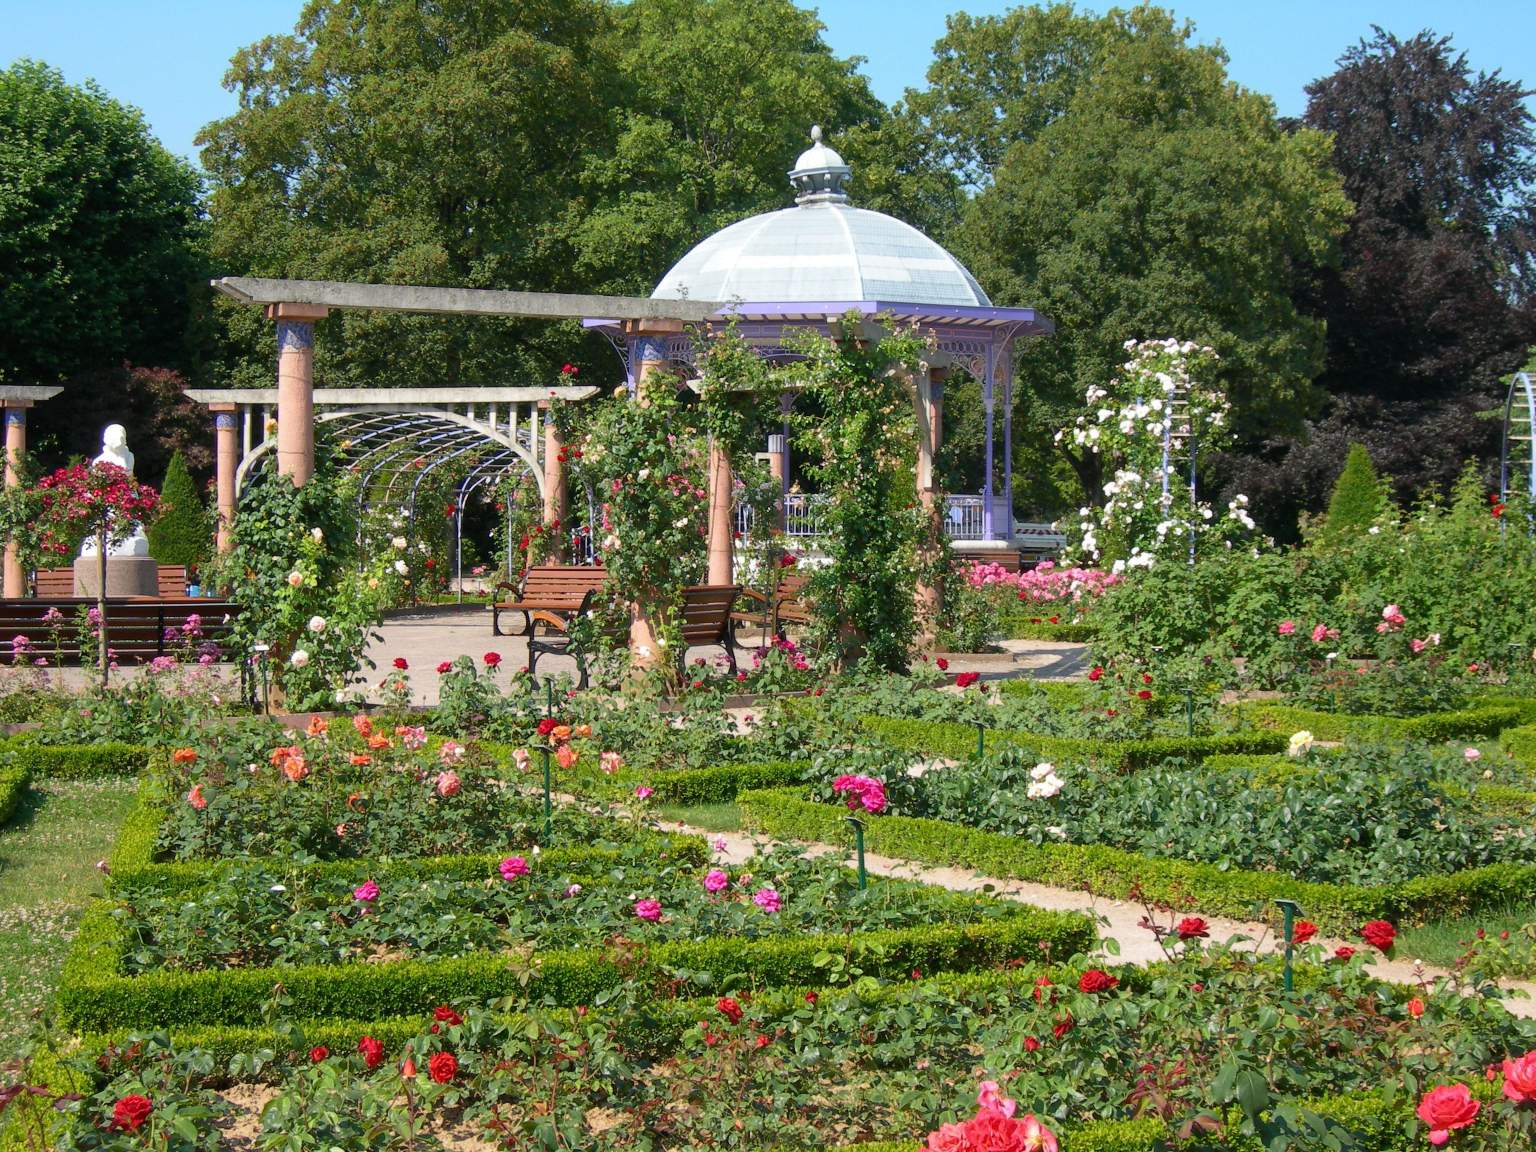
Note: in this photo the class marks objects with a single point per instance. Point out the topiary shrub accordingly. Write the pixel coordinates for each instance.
(1358, 498)
(183, 532)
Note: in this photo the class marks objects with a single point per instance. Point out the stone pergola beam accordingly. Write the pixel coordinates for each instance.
(388, 397)
(460, 301)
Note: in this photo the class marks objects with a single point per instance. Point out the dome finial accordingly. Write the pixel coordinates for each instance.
(819, 175)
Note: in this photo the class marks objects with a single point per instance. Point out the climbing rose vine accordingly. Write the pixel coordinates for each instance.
(1143, 426)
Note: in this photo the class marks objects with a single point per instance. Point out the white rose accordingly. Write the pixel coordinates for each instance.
(299, 659)
(317, 535)
(401, 567)
(317, 624)
(1300, 743)
(399, 543)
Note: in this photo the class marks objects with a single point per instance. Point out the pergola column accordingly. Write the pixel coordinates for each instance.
(778, 459)
(928, 402)
(296, 388)
(226, 459)
(15, 580)
(648, 356)
(557, 504)
(721, 566)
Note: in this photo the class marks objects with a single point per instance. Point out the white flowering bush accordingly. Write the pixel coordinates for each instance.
(1143, 426)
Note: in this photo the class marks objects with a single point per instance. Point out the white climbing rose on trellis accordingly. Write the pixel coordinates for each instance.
(1143, 426)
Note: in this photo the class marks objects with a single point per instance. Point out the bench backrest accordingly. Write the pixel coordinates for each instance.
(54, 583)
(561, 581)
(706, 616)
(173, 580)
(136, 629)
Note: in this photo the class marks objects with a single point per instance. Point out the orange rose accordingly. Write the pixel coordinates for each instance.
(566, 755)
(583, 730)
(184, 756)
(318, 726)
(295, 769)
(379, 742)
(361, 759)
(561, 733)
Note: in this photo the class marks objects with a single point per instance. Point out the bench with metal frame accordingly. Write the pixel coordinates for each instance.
(560, 589)
(140, 628)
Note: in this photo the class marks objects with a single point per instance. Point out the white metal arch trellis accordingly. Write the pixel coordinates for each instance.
(1517, 453)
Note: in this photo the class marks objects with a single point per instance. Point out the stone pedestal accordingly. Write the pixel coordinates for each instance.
(126, 576)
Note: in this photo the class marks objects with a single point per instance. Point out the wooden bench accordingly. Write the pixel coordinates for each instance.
(59, 583)
(138, 629)
(787, 605)
(705, 621)
(560, 589)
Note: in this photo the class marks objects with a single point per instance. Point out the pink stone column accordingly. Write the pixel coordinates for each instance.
(647, 350)
(226, 459)
(777, 457)
(296, 388)
(721, 530)
(15, 580)
(556, 494)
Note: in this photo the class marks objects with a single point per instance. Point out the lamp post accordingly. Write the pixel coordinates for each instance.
(858, 847)
(260, 651)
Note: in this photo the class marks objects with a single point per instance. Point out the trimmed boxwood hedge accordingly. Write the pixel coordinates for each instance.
(94, 996)
(13, 789)
(1520, 743)
(717, 785)
(1486, 720)
(786, 814)
(76, 761)
(958, 741)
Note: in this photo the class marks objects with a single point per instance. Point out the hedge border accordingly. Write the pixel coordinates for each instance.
(786, 814)
(14, 784)
(1483, 721)
(958, 741)
(93, 995)
(77, 761)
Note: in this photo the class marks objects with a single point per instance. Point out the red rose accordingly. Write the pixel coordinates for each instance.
(1144, 695)
(372, 1050)
(401, 663)
(763, 1041)
(446, 1015)
(443, 1067)
(318, 1053)
(1520, 1079)
(1054, 619)
(1302, 931)
(1063, 1026)
(1031, 1044)
(943, 664)
(1378, 934)
(1146, 677)
(547, 725)
(810, 997)
(1096, 980)
(492, 659)
(1097, 674)
(729, 1009)
(1446, 1108)
(1343, 952)
(130, 1112)
(1192, 928)
(1040, 986)
(444, 668)
(966, 679)
(992, 1131)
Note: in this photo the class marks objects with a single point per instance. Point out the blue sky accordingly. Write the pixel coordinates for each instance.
(167, 57)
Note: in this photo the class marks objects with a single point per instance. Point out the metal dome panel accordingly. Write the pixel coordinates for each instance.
(820, 251)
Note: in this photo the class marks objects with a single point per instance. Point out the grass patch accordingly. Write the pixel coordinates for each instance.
(708, 817)
(1446, 941)
(48, 856)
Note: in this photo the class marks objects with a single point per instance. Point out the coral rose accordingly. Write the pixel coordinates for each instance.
(448, 784)
(948, 1138)
(1445, 1108)
(196, 798)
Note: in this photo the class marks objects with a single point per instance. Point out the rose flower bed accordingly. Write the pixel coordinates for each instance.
(1208, 1042)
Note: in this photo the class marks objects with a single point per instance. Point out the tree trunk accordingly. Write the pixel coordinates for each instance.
(101, 603)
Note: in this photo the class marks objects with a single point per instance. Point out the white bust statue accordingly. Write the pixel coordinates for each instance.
(115, 450)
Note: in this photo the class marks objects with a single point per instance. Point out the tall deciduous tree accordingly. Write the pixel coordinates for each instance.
(1130, 190)
(99, 250)
(1435, 296)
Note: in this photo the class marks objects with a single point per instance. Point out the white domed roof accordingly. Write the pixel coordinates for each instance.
(822, 250)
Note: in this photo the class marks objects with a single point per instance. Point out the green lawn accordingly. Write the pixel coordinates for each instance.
(1447, 941)
(48, 856)
(709, 817)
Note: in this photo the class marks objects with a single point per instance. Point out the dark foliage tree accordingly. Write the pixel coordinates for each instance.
(1434, 298)
(183, 532)
(100, 261)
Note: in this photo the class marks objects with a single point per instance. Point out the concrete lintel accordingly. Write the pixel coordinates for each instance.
(25, 395)
(459, 301)
(396, 397)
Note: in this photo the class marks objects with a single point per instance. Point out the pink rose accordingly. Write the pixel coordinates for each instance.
(1322, 633)
(1417, 645)
(196, 798)
(367, 892)
(610, 762)
(648, 909)
(948, 1138)
(513, 867)
(643, 792)
(448, 784)
(1520, 1079)
(716, 880)
(989, 1098)
(768, 899)
(1287, 627)
(566, 755)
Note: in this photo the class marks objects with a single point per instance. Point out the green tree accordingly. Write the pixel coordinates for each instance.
(1358, 497)
(183, 531)
(100, 262)
(1129, 189)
